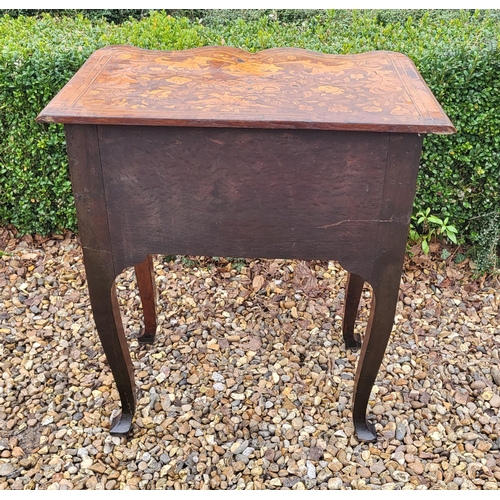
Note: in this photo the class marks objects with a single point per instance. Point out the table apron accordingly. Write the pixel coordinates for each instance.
(295, 194)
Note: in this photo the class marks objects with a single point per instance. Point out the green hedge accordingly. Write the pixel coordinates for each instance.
(116, 16)
(457, 52)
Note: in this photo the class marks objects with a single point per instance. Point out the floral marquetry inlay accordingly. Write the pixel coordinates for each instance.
(228, 87)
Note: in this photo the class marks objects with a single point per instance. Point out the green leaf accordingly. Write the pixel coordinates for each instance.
(425, 247)
(435, 220)
(451, 237)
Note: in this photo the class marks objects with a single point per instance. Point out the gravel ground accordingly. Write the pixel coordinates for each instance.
(248, 385)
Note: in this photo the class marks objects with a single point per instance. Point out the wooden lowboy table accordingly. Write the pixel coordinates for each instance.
(285, 153)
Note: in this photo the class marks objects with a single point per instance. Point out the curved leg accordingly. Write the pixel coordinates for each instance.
(147, 290)
(101, 284)
(377, 335)
(353, 290)
(388, 256)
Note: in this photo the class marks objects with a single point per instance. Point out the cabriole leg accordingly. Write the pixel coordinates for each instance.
(375, 342)
(353, 290)
(101, 284)
(147, 290)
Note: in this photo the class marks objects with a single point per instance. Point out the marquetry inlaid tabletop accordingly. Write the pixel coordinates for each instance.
(228, 87)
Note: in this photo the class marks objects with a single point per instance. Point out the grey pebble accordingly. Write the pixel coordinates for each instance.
(400, 431)
(495, 373)
(311, 470)
(242, 458)
(248, 451)
(108, 448)
(6, 469)
(217, 377)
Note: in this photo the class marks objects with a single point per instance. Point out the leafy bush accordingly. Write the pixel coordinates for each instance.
(486, 253)
(457, 52)
(37, 59)
(116, 16)
(429, 226)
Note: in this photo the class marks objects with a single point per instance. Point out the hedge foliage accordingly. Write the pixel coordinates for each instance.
(457, 52)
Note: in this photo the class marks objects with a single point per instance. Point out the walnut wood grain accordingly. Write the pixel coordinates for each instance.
(229, 87)
(296, 194)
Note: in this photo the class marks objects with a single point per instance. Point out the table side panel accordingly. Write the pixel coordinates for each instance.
(244, 193)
